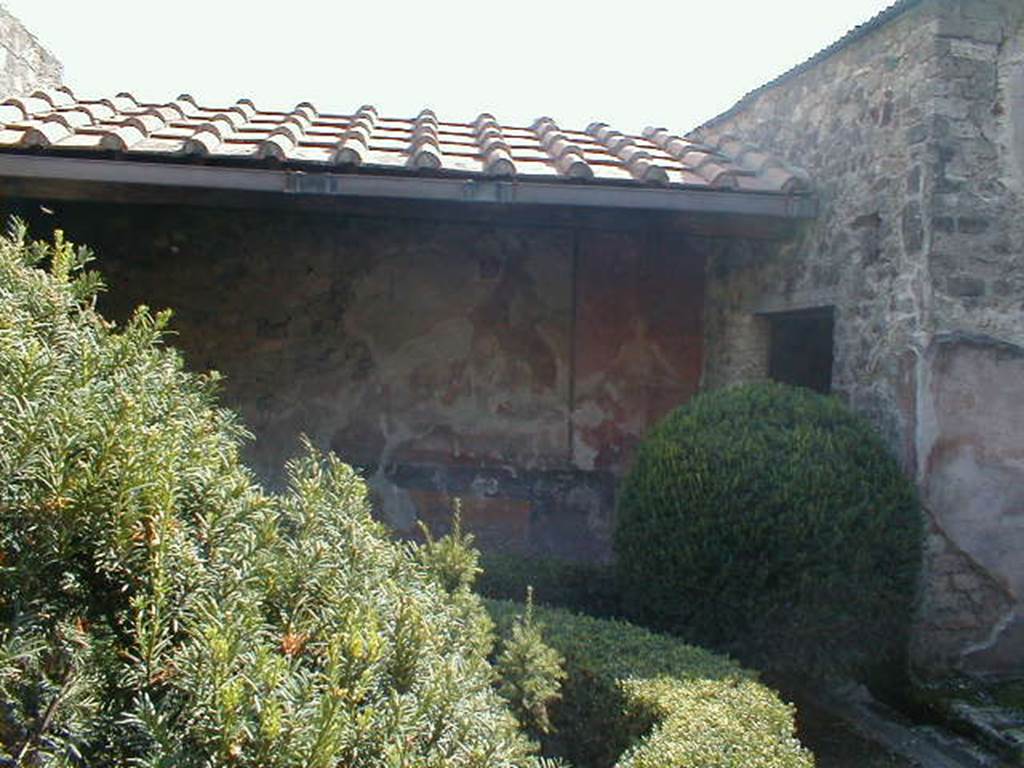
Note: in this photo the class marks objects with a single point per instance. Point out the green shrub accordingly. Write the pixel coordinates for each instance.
(635, 699)
(451, 558)
(583, 587)
(530, 672)
(771, 522)
(158, 608)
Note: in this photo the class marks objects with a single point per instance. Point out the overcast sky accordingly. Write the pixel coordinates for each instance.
(626, 63)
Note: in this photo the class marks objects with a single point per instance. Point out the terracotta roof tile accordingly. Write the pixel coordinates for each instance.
(565, 155)
(495, 151)
(124, 136)
(638, 160)
(424, 147)
(55, 121)
(746, 159)
(354, 145)
(43, 133)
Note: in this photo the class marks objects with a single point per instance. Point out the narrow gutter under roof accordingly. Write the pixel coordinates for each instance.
(508, 192)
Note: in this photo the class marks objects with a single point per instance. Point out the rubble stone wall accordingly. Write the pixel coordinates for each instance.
(914, 136)
(24, 62)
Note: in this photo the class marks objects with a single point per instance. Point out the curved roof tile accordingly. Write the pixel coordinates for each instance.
(57, 122)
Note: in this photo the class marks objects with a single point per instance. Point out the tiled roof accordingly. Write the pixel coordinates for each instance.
(56, 122)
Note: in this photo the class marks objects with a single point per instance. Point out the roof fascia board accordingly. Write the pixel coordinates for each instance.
(403, 187)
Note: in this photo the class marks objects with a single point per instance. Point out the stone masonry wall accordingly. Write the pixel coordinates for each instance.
(24, 62)
(851, 122)
(512, 366)
(914, 136)
(970, 394)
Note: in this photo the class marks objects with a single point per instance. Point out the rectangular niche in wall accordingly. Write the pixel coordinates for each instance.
(800, 348)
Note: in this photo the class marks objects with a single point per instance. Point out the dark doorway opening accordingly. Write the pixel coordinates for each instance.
(801, 348)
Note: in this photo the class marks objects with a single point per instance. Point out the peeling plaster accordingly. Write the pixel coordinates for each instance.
(439, 357)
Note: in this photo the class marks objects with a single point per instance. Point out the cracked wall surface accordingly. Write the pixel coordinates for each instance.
(914, 136)
(24, 63)
(513, 366)
(972, 447)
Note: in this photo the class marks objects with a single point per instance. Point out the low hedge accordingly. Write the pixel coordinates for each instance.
(635, 699)
(585, 587)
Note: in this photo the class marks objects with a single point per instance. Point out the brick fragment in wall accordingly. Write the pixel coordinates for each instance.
(912, 227)
(914, 180)
(965, 286)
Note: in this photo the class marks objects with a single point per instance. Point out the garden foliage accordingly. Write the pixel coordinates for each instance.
(531, 672)
(772, 522)
(635, 699)
(582, 587)
(158, 608)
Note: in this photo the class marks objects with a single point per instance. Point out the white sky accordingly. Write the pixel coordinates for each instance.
(627, 63)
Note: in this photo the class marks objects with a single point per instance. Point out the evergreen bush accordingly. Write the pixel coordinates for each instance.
(772, 522)
(158, 608)
(530, 672)
(635, 699)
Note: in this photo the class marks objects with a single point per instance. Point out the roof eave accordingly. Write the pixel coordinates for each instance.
(480, 191)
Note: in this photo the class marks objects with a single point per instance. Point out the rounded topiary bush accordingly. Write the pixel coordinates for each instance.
(771, 521)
